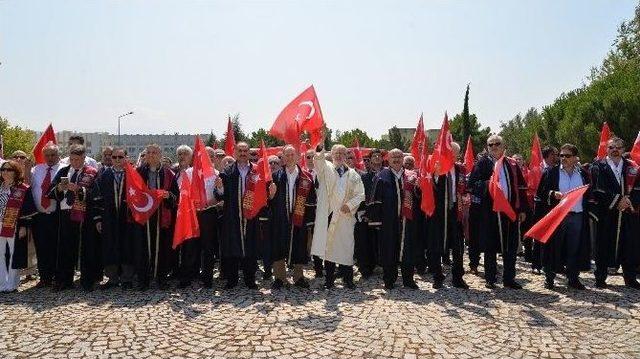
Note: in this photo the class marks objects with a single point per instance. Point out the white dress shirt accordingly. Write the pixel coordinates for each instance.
(291, 186)
(38, 173)
(617, 169)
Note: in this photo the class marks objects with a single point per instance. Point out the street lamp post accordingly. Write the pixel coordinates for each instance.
(119, 117)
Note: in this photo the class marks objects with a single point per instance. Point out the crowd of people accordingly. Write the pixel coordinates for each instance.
(322, 212)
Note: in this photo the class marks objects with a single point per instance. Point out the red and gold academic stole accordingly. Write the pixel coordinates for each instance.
(409, 179)
(302, 191)
(11, 213)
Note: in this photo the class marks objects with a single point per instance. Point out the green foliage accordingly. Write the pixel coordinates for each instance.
(612, 95)
(16, 138)
(212, 141)
(348, 138)
(395, 139)
(262, 134)
(237, 131)
(464, 124)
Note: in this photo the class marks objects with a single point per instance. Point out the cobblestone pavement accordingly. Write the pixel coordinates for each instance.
(294, 323)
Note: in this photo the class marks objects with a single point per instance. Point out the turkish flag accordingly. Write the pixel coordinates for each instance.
(418, 141)
(300, 115)
(202, 169)
(304, 147)
(543, 230)
(500, 201)
(443, 153)
(264, 170)
(425, 181)
(358, 160)
(535, 166)
(142, 201)
(256, 196)
(469, 156)
(187, 226)
(230, 140)
(635, 151)
(605, 133)
(47, 136)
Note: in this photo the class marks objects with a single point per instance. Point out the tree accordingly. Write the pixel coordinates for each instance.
(237, 131)
(212, 141)
(262, 134)
(466, 121)
(395, 139)
(479, 135)
(348, 138)
(16, 138)
(518, 133)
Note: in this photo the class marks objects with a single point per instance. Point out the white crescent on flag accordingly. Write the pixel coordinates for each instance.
(310, 104)
(146, 207)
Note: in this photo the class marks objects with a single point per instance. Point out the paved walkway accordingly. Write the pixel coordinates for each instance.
(293, 323)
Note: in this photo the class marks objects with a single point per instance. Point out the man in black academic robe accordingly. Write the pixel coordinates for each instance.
(153, 240)
(391, 212)
(293, 195)
(570, 244)
(239, 239)
(499, 233)
(616, 189)
(366, 246)
(444, 228)
(113, 222)
(76, 234)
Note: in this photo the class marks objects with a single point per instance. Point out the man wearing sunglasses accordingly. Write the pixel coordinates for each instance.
(112, 222)
(616, 190)
(499, 233)
(570, 244)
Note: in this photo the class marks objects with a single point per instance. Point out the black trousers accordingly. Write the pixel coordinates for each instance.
(189, 260)
(249, 267)
(45, 236)
(509, 249)
(346, 272)
(318, 264)
(570, 235)
(208, 220)
(475, 226)
(145, 252)
(68, 244)
(390, 274)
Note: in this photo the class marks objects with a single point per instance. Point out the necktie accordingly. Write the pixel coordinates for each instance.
(46, 183)
(340, 171)
(70, 195)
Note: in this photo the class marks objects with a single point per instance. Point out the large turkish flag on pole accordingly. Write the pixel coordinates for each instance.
(202, 169)
(187, 226)
(300, 115)
(442, 158)
(500, 201)
(418, 142)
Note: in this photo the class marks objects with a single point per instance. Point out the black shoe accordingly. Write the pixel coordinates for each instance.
(143, 286)
(231, 285)
(108, 285)
(87, 287)
(163, 285)
(421, 271)
(184, 284)
(44, 284)
(438, 284)
(126, 285)
(460, 283)
(473, 270)
(575, 284)
(267, 275)
(207, 283)
(410, 284)
(251, 285)
(549, 284)
(277, 284)
(600, 283)
(319, 274)
(388, 286)
(490, 285)
(512, 285)
(329, 284)
(349, 284)
(632, 284)
(302, 283)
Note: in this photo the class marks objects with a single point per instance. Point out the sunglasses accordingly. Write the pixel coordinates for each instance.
(274, 163)
(220, 155)
(117, 157)
(615, 147)
(309, 157)
(495, 144)
(21, 157)
(6, 169)
(349, 158)
(566, 155)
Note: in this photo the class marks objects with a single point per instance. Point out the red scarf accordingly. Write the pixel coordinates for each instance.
(305, 182)
(409, 183)
(12, 211)
(85, 180)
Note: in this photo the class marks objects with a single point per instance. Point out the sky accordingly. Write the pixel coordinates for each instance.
(182, 66)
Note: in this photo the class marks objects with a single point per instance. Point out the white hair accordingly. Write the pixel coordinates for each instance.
(184, 148)
(495, 137)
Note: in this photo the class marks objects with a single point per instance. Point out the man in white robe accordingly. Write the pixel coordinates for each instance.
(340, 191)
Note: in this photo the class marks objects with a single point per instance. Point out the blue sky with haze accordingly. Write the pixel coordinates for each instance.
(181, 66)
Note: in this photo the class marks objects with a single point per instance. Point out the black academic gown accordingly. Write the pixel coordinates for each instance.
(436, 223)
(365, 248)
(111, 202)
(614, 231)
(290, 243)
(20, 249)
(234, 243)
(478, 185)
(383, 215)
(553, 250)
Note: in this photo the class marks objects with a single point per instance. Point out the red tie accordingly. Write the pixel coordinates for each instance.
(44, 200)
